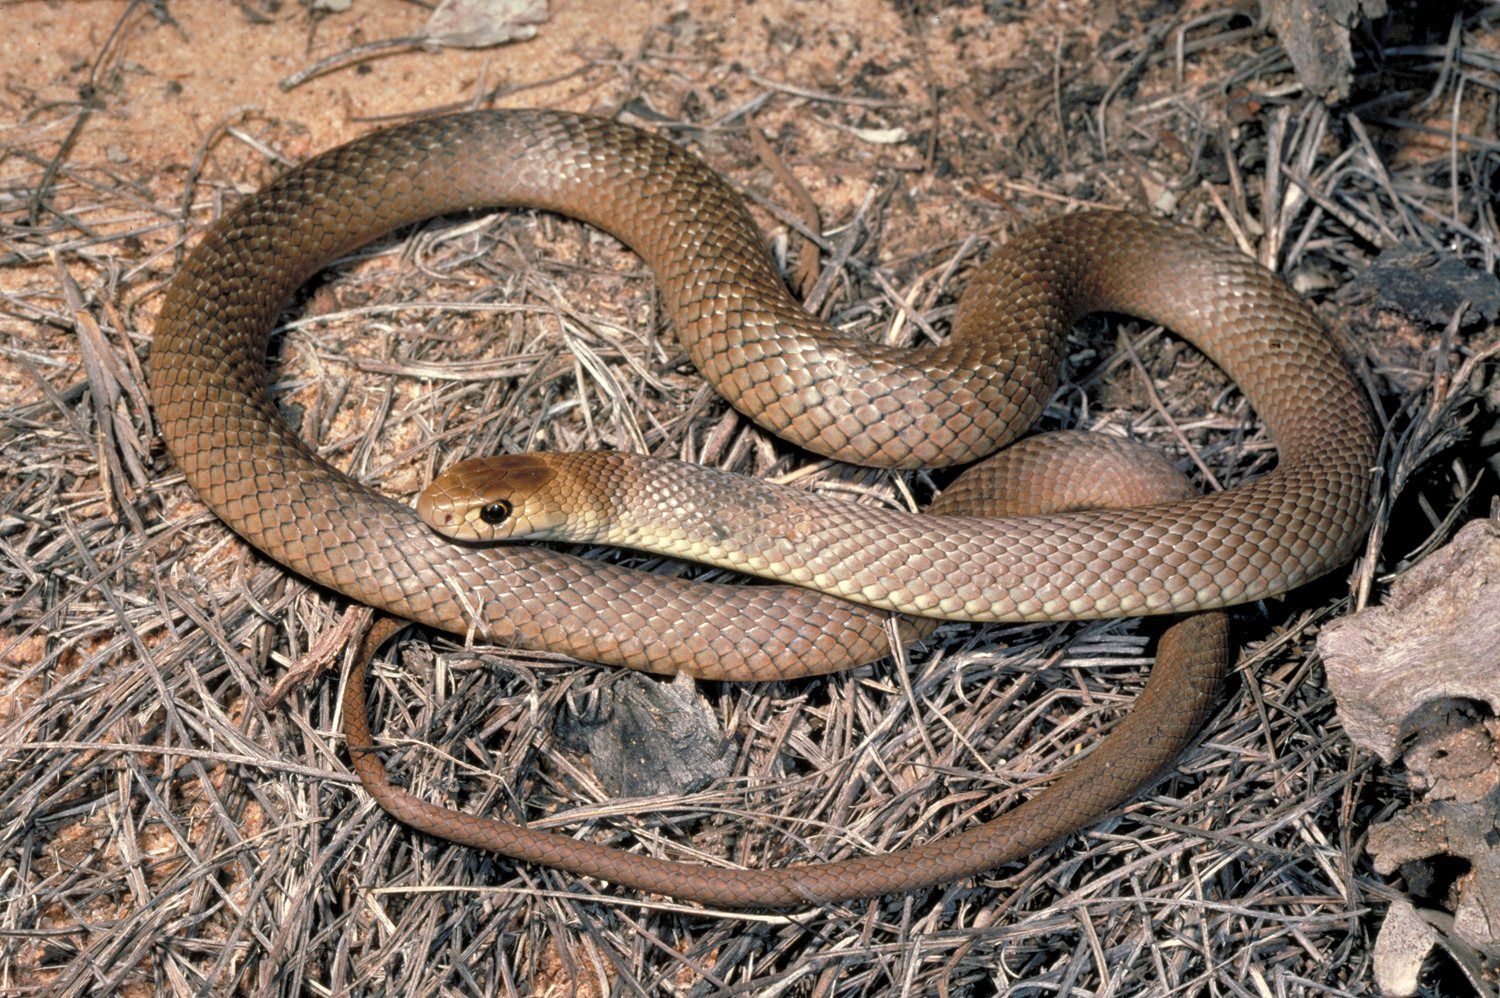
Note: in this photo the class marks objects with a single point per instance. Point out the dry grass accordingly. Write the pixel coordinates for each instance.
(161, 831)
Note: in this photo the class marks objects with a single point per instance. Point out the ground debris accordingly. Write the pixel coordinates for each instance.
(649, 737)
(1315, 34)
(1419, 678)
(1436, 638)
(1426, 286)
(159, 833)
(482, 23)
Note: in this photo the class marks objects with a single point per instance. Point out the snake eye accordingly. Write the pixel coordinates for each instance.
(496, 513)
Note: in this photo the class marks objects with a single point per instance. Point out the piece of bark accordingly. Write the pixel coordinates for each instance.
(1421, 842)
(1406, 298)
(1401, 948)
(648, 737)
(1315, 35)
(1436, 638)
(1420, 678)
(1426, 287)
(481, 23)
(1407, 936)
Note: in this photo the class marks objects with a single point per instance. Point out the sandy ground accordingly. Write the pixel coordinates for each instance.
(180, 79)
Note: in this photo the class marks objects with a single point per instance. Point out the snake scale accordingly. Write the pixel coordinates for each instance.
(829, 393)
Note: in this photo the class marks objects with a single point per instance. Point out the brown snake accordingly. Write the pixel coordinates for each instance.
(865, 403)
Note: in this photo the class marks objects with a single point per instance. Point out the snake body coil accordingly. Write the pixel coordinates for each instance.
(855, 401)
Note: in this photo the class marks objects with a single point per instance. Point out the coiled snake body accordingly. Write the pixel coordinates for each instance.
(855, 401)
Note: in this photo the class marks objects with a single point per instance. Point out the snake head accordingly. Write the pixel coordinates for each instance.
(495, 498)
